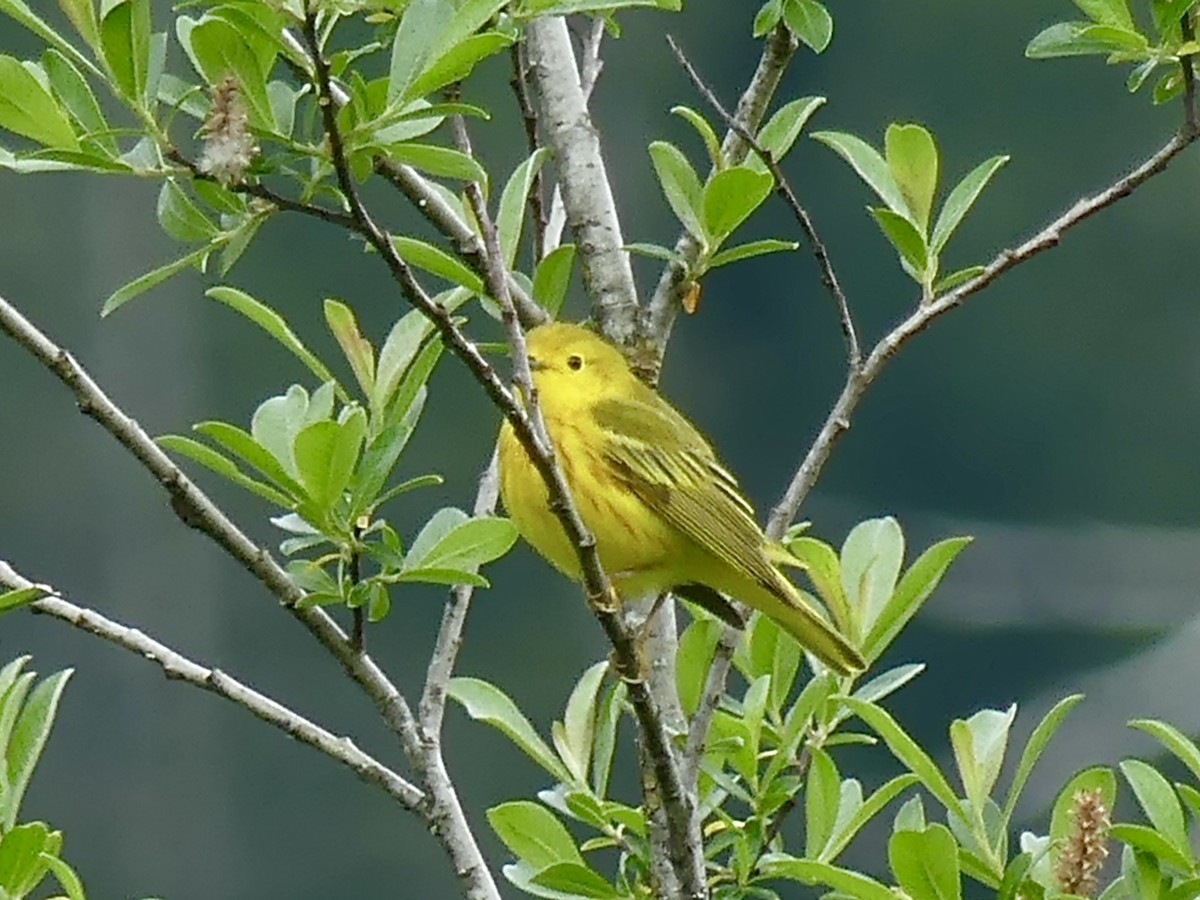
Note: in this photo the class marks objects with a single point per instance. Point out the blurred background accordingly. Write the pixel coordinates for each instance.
(1053, 417)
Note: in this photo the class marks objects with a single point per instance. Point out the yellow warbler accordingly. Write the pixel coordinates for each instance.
(664, 511)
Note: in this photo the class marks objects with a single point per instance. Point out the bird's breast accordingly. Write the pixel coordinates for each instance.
(634, 544)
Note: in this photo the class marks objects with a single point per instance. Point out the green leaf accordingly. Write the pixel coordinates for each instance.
(21, 865)
(881, 686)
(869, 164)
(357, 349)
(579, 720)
(450, 540)
(416, 43)
(1108, 12)
(576, 880)
(326, 453)
(1082, 39)
(1153, 842)
(398, 355)
(276, 326)
(712, 143)
(439, 262)
(912, 157)
(485, 702)
(681, 186)
(70, 881)
(448, 577)
(809, 21)
(381, 456)
(809, 871)
(874, 805)
(753, 248)
(904, 236)
(125, 39)
(1158, 800)
(82, 14)
(692, 660)
(532, 8)
(15, 599)
(180, 217)
(979, 744)
(440, 161)
(607, 720)
(552, 278)
(954, 279)
(1174, 740)
(961, 199)
(27, 741)
(222, 465)
(219, 50)
(654, 251)
(76, 95)
(926, 863)
(28, 109)
(457, 63)
(533, 834)
(247, 448)
(822, 796)
(510, 215)
(872, 555)
(782, 129)
(153, 278)
(913, 590)
(1033, 750)
(731, 196)
(905, 749)
(20, 12)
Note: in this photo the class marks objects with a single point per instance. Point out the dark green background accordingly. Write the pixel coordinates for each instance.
(1054, 417)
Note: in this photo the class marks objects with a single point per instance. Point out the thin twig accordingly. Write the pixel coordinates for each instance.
(587, 192)
(784, 189)
(537, 191)
(176, 666)
(799, 771)
(454, 618)
(659, 317)
(838, 420)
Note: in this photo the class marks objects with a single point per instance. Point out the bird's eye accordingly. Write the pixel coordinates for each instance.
(575, 362)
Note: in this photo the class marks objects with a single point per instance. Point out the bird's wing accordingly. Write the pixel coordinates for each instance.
(667, 464)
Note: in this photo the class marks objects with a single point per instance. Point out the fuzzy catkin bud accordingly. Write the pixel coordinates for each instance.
(1085, 849)
(229, 147)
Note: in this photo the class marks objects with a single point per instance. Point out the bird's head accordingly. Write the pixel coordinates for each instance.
(571, 364)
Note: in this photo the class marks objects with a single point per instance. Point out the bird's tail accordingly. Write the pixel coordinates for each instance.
(797, 616)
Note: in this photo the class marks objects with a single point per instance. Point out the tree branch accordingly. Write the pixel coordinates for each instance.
(857, 381)
(454, 618)
(659, 317)
(587, 193)
(178, 667)
(537, 193)
(784, 189)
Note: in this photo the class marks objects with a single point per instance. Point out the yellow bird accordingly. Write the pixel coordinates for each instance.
(665, 513)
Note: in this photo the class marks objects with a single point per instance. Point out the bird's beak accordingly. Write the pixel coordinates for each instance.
(536, 364)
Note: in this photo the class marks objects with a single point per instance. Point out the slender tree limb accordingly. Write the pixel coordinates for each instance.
(784, 189)
(857, 382)
(587, 193)
(537, 193)
(454, 619)
(178, 667)
(778, 49)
